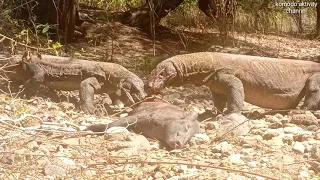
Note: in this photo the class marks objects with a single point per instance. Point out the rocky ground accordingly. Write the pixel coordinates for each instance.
(42, 138)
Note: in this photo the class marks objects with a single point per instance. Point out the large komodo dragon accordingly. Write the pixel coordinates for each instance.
(266, 82)
(158, 119)
(88, 77)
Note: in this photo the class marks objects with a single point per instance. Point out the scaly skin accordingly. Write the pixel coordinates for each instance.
(266, 82)
(87, 76)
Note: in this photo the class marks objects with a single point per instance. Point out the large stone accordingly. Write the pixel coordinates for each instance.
(232, 125)
(200, 139)
(134, 144)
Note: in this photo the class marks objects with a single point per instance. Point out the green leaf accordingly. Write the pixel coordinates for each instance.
(45, 29)
(56, 45)
(77, 54)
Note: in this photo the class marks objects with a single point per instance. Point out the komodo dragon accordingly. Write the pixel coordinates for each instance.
(88, 77)
(158, 119)
(266, 82)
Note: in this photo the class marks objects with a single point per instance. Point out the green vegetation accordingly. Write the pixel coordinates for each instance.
(252, 16)
(113, 5)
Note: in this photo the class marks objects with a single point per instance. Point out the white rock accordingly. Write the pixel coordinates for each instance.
(222, 147)
(236, 159)
(304, 175)
(123, 115)
(249, 141)
(260, 125)
(293, 130)
(264, 159)
(314, 142)
(277, 141)
(298, 147)
(114, 130)
(233, 125)
(154, 146)
(202, 138)
(253, 164)
(7, 107)
(232, 176)
(260, 178)
(247, 151)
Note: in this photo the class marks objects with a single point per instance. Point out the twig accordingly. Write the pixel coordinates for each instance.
(5, 59)
(299, 162)
(12, 126)
(22, 118)
(3, 121)
(200, 165)
(22, 5)
(132, 105)
(152, 26)
(31, 47)
(76, 134)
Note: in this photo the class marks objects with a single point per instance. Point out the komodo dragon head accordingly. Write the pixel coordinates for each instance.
(163, 75)
(132, 90)
(28, 56)
(21, 68)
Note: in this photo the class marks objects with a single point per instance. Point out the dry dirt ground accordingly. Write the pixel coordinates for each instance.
(40, 138)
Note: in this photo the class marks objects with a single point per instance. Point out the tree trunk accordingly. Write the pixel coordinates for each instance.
(318, 18)
(140, 17)
(221, 12)
(67, 19)
(60, 14)
(209, 8)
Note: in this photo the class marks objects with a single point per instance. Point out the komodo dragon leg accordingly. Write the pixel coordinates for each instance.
(219, 101)
(226, 88)
(32, 85)
(87, 88)
(312, 98)
(115, 99)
